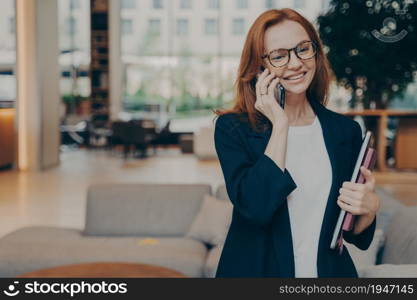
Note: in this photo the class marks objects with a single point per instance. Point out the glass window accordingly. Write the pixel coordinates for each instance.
(126, 4)
(154, 26)
(238, 27)
(210, 26)
(269, 4)
(157, 4)
(182, 27)
(74, 4)
(185, 4)
(127, 26)
(74, 57)
(12, 25)
(242, 4)
(325, 4)
(71, 27)
(299, 4)
(213, 4)
(7, 57)
(183, 77)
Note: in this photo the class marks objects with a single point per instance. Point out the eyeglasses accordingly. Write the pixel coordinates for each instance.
(280, 57)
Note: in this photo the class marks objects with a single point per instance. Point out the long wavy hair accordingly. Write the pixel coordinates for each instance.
(250, 62)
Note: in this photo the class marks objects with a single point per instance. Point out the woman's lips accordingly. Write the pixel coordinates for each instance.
(296, 80)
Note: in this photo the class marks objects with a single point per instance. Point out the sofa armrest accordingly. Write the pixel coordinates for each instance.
(401, 238)
(212, 261)
(389, 271)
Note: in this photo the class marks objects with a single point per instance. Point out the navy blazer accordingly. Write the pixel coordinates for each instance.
(259, 240)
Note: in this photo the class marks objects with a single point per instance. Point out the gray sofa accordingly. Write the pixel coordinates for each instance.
(118, 218)
(121, 218)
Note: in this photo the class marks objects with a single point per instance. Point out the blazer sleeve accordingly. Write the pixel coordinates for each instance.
(363, 239)
(256, 189)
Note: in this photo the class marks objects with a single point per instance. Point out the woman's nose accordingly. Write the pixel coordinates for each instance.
(294, 61)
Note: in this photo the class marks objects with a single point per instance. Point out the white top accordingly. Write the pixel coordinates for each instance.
(308, 163)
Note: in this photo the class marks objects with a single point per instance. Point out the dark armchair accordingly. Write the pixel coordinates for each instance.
(134, 134)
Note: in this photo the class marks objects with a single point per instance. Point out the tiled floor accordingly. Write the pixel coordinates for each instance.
(57, 197)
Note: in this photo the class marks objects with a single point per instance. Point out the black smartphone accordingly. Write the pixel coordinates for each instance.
(279, 91)
(280, 95)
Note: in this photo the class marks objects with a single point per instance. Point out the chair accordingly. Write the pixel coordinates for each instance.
(165, 137)
(119, 135)
(99, 130)
(137, 133)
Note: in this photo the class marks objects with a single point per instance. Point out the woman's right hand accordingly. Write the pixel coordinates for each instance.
(265, 98)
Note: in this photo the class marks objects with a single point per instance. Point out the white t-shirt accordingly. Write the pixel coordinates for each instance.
(308, 162)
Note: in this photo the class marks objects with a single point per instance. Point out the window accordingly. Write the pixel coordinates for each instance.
(157, 4)
(241, 4)
(213, 4)
(269, 4)
(210, 26)
(127, 4)
(127, 26)
(12, 25)
(182, 27)
(74, 4)
(325, 4)
(185, 4)
(154, 26)
(238, 26)
(71, 26)
(299, 4)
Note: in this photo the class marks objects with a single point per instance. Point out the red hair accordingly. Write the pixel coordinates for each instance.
(250, 62)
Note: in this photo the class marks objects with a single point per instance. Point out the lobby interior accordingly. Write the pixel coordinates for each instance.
(52, 153)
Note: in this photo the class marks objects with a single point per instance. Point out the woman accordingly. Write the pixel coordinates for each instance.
(287, 171)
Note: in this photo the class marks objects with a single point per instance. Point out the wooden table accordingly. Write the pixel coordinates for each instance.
(105, 270)
(408, 118)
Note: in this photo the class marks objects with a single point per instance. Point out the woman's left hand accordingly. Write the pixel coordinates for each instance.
(360, 198)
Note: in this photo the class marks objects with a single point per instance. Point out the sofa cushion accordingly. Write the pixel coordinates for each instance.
(212, 221)
(221, 193)
(401, 238)
(389, 271)
(33, 248)
(389, 206)
(143, 209)
(212, 261)
(362, 258)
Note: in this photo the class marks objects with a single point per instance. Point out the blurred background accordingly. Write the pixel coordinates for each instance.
(122, 92)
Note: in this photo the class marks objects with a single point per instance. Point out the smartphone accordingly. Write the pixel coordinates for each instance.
(279, 91)
(280, 95)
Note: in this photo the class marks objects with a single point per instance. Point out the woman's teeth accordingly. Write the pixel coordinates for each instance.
(295, 77)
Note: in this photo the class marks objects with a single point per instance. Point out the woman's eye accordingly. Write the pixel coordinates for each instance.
(277, 57)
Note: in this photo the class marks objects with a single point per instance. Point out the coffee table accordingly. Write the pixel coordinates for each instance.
(105, 270)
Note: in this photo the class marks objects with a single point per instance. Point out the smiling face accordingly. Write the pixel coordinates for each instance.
(287, 35)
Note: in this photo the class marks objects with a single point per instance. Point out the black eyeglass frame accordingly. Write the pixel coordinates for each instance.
(289, 53)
